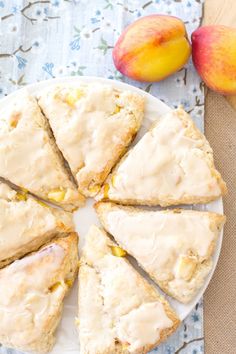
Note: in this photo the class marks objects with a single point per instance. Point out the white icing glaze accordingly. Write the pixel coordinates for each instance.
(114, 289)
(119, 295)
(158, 236)
(26, 155)
(165, 163)
(89, 131)
(142, 326)
(26, 303)
(122, 290)
(95, 326)
(167, 245)
(24, 222)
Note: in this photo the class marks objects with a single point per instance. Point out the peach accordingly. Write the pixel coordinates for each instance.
(214, 57)
(152, 48)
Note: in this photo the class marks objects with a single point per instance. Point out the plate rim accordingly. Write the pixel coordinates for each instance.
(37, 86)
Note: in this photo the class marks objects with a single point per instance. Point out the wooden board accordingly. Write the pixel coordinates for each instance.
(221, 12)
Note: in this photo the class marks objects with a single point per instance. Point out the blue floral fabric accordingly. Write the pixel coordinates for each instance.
(50, 38)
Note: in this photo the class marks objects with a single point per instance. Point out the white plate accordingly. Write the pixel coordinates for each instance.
(67, 338)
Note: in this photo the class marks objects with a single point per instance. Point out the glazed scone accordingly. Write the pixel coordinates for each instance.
(93, 124)
(119, 311)
(27, 224)
(172, 164)
(32, 293)
(29, 157)
(174, 247)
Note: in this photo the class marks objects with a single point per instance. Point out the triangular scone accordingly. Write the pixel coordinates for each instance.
(29, 157)
(172, 164)
(119, 311)
(93, 124)
(27, 224)
(174, 247)
(32, 293)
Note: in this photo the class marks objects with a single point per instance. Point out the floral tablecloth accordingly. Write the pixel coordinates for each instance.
(49, 38)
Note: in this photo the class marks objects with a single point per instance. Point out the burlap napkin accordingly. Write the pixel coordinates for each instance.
(220, 297)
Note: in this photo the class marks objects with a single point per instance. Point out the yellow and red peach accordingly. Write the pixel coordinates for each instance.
(152, 48)
(214, 57)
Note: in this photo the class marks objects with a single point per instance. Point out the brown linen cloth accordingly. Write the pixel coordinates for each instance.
(220, 297)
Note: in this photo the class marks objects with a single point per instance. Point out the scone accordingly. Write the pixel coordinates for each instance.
(27, 224)
(29, 157)
(93, 124)
(32, 293)
(174, 247)
(172, 164)
(119, 311)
